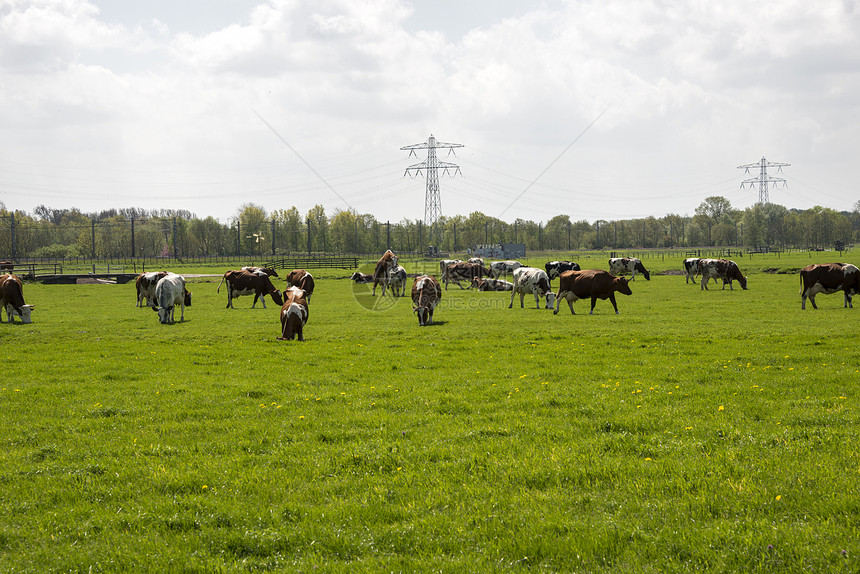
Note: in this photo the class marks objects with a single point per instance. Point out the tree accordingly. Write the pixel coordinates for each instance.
(254, 234)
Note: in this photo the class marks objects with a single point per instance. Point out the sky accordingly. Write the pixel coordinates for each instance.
(605, 109)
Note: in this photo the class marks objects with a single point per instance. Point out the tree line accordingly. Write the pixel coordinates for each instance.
(69, 233)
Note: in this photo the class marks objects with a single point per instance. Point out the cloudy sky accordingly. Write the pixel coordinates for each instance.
(604, 109)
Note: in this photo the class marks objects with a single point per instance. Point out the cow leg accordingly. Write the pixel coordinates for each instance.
(614, 305)
(812, 300)
(847, 303)
(703, 284)
(803, 302)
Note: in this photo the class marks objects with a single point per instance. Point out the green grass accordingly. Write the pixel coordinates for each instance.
(695, 431)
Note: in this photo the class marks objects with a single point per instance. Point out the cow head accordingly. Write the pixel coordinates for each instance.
(187, 298)
(276, 297)
(423, 315)
(550, 300)
(743, 281)
(23, 311)
(164, 314)
(622, 286)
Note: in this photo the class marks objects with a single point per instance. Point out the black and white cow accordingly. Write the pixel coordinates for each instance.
(397, 281)
(691, 269)
(556, 268)
(829, 278)
(621, 265)
(532, 280)
(724, 269)
(459, 272)
(500, 268)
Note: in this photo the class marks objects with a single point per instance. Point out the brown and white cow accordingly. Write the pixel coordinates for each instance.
(500, 268)
(266, 270)
(724, 269)
(492, 284)
(397, 281)
(691, 269)
(170, 292)
(294, 314)
(426, 294)
(532, 280)
(145, 285)
(386, 263)
(829, 278)
(7, 265)
(12, 299)
(303, 280)
(621, 265)
(445, 263)
(468, 272)
(246, 283)
(591, 284)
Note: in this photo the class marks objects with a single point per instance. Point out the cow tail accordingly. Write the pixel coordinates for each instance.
(218, 290)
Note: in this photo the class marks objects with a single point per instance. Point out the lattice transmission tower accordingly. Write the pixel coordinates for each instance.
(432, 165)
(763, 180)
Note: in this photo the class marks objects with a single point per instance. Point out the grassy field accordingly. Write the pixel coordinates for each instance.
(714, 430)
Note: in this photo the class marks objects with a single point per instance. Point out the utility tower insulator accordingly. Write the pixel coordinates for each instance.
(763, 180)
(432, 200)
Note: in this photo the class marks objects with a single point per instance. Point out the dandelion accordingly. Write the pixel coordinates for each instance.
(647, 458)
(721, 408)
(779, 497)
(204, 487)
(301, 417)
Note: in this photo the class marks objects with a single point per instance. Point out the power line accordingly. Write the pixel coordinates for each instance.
(432, 199)
(763, 180)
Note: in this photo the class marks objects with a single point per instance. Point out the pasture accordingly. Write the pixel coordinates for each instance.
(715, 430)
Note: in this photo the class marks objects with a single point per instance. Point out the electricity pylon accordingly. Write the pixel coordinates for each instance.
(432, 199)
(763, 180)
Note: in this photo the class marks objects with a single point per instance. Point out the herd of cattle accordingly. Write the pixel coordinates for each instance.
(163, 291)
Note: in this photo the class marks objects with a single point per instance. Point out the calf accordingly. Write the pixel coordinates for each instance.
(247, 283)
(458, 272)
(532, 280)
(829, 278)
(397, 281)
(294, 314)
(386, 263)
(169, 292)
(724, 269)
(303, 280)
(591, 283)
(145, 285)
(556, 268)
(500, 268)
(621, 265)
(691, 269)
(426, 294)
(492, 284)
(12, 299)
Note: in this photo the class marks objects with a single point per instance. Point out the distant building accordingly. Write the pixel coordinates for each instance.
(500, 251)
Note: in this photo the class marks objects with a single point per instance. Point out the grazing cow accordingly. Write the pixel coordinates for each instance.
(500, 268)
(7, 266)
(621, 265)
(829, 278)
(265, 270)
(170, 292)
(478, 260)
(303, 280)
(294, 314)
(556, 268)
(247, 283)
(145, 284)
(492, 284)
(458, 272)
(12, 299)
(386, 263)
(397, 281)
(532, 280)
(426, 293)
(724, 269)
(691, 269)
(359, 277)
(591, 284)
(445, 263)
